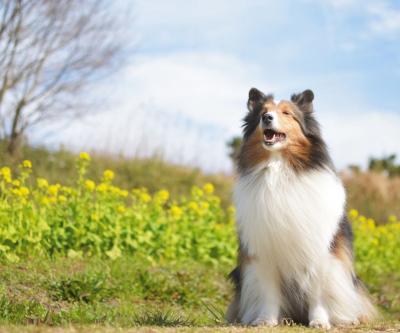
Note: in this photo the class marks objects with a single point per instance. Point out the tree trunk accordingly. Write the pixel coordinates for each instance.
(15, 144)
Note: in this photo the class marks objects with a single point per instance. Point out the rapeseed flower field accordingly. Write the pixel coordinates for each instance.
(100, 219)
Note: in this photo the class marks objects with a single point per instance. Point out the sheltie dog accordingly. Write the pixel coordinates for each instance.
(295, 254)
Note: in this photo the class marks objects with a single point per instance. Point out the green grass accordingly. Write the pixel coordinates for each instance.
(121, 293)
(63, 295)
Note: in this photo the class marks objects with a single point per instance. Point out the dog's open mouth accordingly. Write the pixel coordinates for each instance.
(271, 137)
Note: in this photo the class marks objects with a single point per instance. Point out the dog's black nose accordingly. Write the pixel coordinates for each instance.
(267, 118)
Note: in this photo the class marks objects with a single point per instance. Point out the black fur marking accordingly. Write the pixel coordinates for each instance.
(319, 155)
(235, 277)
(345, 231)
(255, 103)
(304, 100)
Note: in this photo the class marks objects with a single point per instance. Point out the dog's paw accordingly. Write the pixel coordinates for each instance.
(264, 322)
(320, 323)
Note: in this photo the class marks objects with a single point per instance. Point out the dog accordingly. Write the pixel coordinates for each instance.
(295, 257)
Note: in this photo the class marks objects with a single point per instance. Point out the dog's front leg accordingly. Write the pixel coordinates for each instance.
(318, 314)
(261, 297)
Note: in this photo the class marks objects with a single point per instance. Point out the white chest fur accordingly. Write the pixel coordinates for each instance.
(288, 219)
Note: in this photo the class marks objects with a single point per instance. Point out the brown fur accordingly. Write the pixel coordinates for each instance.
(340, 249)
(297, 149)
(252, 151)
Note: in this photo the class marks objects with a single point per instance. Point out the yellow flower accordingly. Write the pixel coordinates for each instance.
(16, 183)
(108, 175)
(53, 190)
(121, 209)
(84, 156)
(27, 164)
(6, 172)
(176, 211)
(353, 213)
(66, 189)
(62, 199)
(231, 210)
(90, 185)
(102, 188)
(193, 206)
(204, 205)
(123, 193)
(42, 183)
(24, 191)
(44, 201)
(208, 188)
(162, 196)
(145, 197)
(370, 223)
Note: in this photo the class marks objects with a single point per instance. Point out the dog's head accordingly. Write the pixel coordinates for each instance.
(287, 127)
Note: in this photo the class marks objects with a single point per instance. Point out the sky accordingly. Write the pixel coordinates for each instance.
(183, 93)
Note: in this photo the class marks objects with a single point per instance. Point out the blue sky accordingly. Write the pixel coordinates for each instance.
(184, 91)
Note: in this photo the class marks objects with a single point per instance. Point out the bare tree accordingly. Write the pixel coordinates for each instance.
(50, 53)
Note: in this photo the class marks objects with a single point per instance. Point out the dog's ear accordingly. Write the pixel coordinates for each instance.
(304, 100)
(255, 98)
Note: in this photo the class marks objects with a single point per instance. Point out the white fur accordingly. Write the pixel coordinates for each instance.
(287, 222)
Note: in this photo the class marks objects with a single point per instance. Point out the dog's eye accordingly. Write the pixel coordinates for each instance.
(286, 113)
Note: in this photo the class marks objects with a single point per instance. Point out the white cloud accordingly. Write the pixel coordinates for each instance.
(354, 136)
(384, 19)
(381, 17)
(185, 105)
(188, 105)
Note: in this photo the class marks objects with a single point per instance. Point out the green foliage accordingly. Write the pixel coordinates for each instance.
(234, 147)
(161, 318)
(24, 312)
(378, 257)
(80, 288)
(386, 164)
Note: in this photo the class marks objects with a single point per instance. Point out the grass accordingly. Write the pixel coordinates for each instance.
(121, 293)
(71, 295)
(377, 327)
